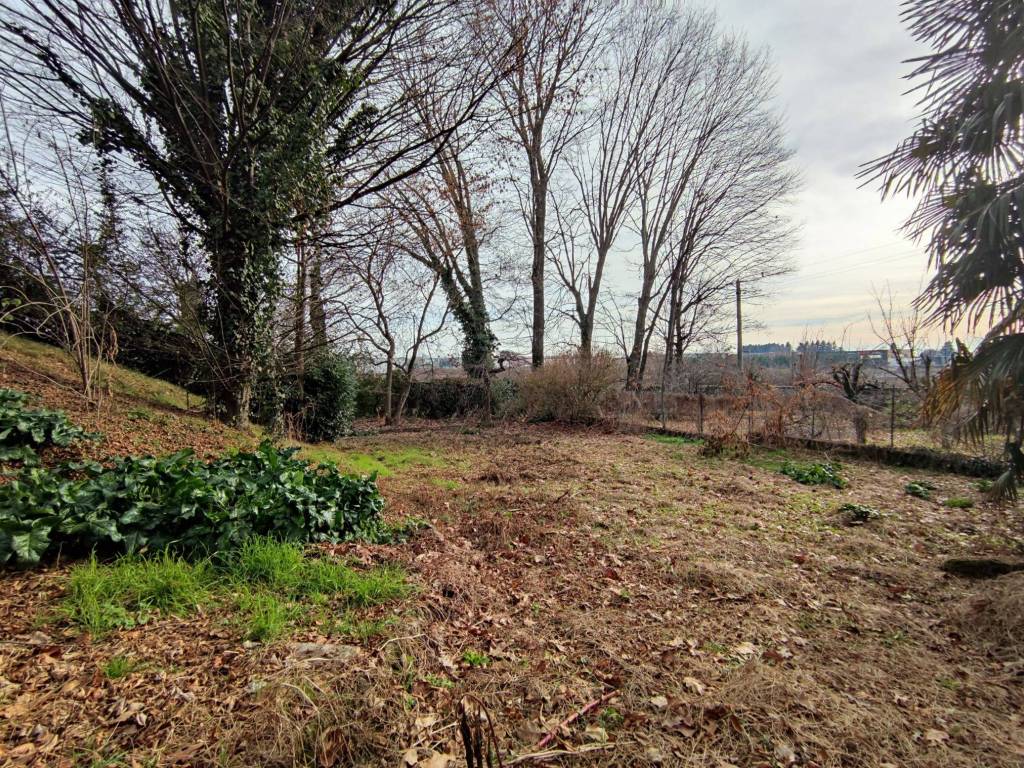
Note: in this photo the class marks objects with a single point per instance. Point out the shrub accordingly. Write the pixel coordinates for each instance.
(815, 474)
(317, 407)
(184, 504)
(326, 404)
(24, 431)
(572, 390)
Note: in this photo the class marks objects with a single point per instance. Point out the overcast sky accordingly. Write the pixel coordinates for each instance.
(840, 67)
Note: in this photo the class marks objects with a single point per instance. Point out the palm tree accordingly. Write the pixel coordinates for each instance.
(965, 162)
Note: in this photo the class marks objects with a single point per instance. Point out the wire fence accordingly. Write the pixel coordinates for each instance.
(886, 417)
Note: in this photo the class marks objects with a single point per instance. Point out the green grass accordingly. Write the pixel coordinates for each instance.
(263, 616)
(769, 459)
(958, 503)
(56, 363)
(120, 666)
(267, 587)
(383, 462)
(133, 590)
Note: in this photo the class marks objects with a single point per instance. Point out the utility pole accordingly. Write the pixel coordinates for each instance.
(739, 329)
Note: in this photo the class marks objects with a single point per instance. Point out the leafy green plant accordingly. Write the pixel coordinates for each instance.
(475, 658)
(859, 514)
(438, 682)
(185, 504)
(921, 489)
(611, 718)
(25, 431)
(815, 474)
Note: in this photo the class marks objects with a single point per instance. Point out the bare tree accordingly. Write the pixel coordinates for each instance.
(903, 335)
(629, 97)
(61, 233)
(717, 214)
(231, 107)
(392, 309)
(553, 45)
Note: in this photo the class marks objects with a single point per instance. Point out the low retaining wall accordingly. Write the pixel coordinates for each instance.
(920, 458)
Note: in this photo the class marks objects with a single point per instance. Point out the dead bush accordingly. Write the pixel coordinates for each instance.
(572, 390)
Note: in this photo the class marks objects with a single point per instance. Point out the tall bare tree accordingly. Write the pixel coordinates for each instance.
(552, 45)
(717, 214)
(628, 99)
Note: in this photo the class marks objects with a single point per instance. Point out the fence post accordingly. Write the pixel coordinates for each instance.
(700, 413)
(892, 418)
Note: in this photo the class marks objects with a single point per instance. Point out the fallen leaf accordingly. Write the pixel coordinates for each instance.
(659, 702)
(694, 685)
(438, 760)
(745, 649)
(936, 736)
(410, 756)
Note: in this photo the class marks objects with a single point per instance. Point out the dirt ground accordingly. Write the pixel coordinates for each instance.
(608, 599)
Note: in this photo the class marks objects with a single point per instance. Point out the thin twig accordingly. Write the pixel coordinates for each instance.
(573, 717)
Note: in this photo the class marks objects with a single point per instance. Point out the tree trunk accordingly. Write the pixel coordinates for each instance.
(537, 274)
(317, 310)
(389, 378)
(300, 309)
(634, 372)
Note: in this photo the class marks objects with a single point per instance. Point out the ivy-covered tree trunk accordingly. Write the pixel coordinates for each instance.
(246, 284)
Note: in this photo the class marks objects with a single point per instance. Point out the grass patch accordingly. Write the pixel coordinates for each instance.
(120, 666)
(772, 460)
(383, 463)
(267, 586)
(958, 502)
(133, 590)
(263, 616)
(55, 363)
